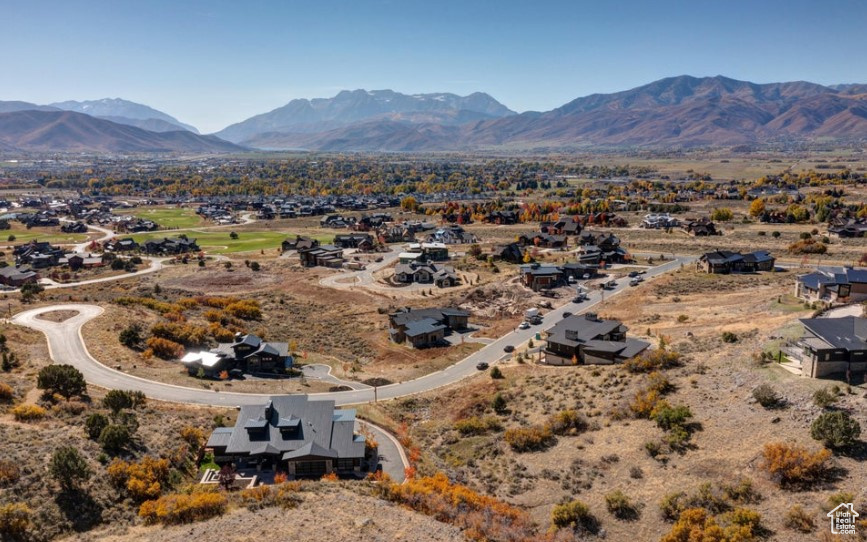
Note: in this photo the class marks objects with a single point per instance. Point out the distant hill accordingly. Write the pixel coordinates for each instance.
(68, 131)
(12, 106)
(350, 107)
(680, 111)
(124, 112)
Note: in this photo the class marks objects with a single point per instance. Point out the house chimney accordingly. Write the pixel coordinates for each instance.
(591, 316)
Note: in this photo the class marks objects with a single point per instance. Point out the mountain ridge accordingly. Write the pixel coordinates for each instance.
(680, 111)
(118, 108)
(353, 106)
(69, 131)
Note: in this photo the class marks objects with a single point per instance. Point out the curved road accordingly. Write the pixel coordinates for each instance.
(66, 345)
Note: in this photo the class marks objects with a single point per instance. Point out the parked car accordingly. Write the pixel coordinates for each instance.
(633, 274)
(481, 366)
(579, 298)
(634, 282)
(524, 325)
(508, 348)
(567, 314)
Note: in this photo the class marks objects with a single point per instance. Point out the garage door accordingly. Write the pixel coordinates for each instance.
(310, 468)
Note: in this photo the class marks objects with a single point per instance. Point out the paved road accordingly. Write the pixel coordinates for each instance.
(341, 281)
(67, 346)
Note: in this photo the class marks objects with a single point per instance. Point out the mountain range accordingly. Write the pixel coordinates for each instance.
(359, 106)
(679, 111)
(34, 130)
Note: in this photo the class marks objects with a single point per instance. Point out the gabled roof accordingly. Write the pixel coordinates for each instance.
(292, 424)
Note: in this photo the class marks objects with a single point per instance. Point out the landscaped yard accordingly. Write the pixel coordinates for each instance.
(166, 217)
(220, 242)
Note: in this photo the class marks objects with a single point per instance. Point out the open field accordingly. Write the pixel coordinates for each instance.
(219, 242)
(167, 217)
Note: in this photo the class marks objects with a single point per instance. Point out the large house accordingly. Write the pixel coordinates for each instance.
(659, 221)
(425, 273)
(174, 245)
(512, 253)
(15, 276)
(601, 248)
(118, 244)
(435, 252)
(848, 228)
(299, 243)
(726, 261)
(545, 240)
(361, 241)
(699, 227)
(292, 434)
(321, 255)
(541, 277)
(425, 327)
(831, 346)
(587, 339)
(247, 353)
(452, 235)
(833, 284)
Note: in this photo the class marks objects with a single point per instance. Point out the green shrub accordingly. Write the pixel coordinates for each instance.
(766, 396)
(94, 424)
(574, 515)
(672, 505)
(824, 398)
(496, 373)
(64, 380)
(620, 506)
(68, 467)
(729, 337)
(668, 417)
(568, 422)
(836, 429)
(498, 403)
(115, 438)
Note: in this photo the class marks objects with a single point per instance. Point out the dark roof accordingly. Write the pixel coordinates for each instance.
(423, 327)
(849, 332)
(414, 315)
(579, 329)
(834, 275)
(292, 425)
(536, 269)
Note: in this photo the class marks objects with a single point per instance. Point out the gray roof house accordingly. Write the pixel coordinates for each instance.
(425, 327)
(293, 434)
(831, 346)
(585, 339)
(833, 284)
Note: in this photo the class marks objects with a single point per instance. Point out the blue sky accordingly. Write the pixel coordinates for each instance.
(211, 63)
